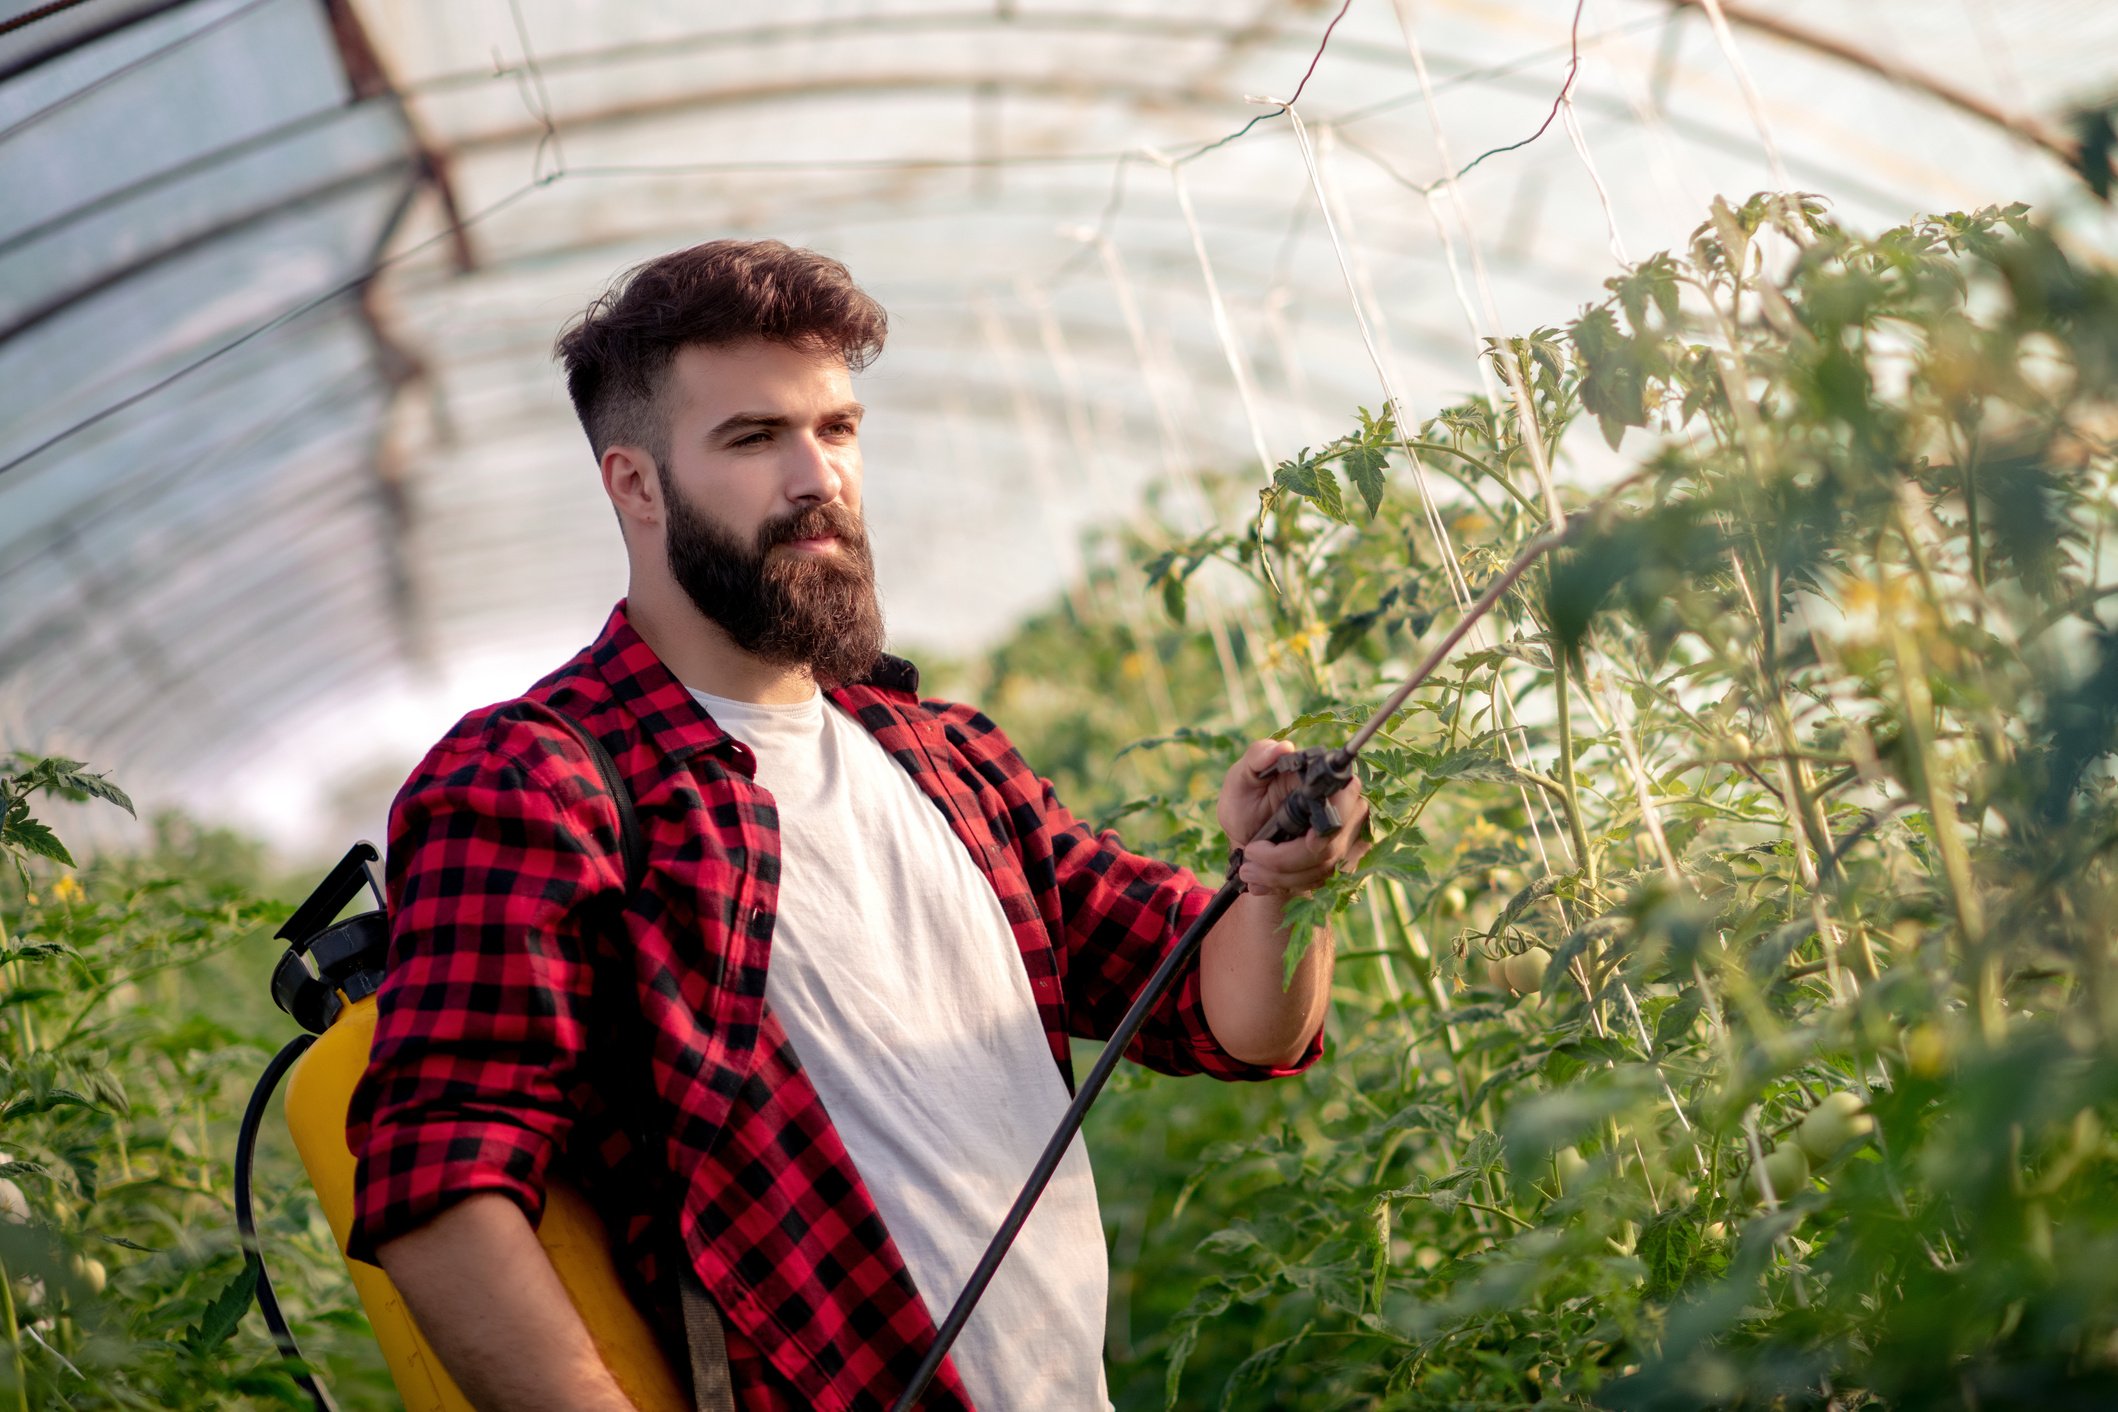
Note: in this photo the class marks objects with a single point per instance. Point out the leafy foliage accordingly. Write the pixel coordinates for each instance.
(1725, 1018)
(127, 1050)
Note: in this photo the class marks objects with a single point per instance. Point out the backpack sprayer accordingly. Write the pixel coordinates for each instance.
(327, 981)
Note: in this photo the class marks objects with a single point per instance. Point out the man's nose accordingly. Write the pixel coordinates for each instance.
(815, 474)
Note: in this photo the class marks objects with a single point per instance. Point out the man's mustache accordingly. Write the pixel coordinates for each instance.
(812, 523)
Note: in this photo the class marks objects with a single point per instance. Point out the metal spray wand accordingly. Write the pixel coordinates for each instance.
(1319, 774)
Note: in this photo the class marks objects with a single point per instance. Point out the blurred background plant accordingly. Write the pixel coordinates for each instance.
(133, 1022)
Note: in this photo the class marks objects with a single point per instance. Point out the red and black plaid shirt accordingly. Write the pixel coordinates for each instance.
(509, 1029)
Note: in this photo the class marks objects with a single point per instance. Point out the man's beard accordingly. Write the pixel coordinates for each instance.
(790, 608)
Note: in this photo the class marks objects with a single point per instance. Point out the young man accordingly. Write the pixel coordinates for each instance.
(837, 1008)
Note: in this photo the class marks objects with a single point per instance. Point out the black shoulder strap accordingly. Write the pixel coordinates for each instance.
(712, 1389)
(629, 841)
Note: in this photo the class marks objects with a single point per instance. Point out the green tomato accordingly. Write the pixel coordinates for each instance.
(1571, 1167)
(90, 1272)
(1525, 973)
(1497, 972)
(1786, 1167)
(1450, 901)
(1836, 1122)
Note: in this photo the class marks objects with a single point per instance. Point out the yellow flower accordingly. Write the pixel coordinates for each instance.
(66, 889)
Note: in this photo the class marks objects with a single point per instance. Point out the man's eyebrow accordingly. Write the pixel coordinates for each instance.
(754, 421)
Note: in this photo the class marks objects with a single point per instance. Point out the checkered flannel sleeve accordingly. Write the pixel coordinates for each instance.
(1121, 911)
(483, 1011)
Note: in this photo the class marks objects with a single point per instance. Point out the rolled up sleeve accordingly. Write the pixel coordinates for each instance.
(483, 1012)
(1123, 912)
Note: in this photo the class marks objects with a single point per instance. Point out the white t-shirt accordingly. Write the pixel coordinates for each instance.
(897, 978)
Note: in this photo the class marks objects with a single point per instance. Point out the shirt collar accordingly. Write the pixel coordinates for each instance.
(670, 715)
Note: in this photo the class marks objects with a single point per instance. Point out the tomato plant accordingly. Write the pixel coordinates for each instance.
(133, 1022)
(1726, 1012)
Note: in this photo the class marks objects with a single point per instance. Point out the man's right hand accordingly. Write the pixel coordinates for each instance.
(487, 1298)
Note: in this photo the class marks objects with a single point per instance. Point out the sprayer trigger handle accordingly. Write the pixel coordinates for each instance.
(1320, 774)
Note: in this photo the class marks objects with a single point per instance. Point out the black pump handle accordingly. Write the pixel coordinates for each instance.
(354, 871)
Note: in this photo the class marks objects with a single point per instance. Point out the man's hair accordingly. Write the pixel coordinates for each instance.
(617, 353)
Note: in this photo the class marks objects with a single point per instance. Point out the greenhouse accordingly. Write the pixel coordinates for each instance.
(1646, 465)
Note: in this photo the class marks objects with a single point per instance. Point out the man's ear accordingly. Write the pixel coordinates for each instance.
(635, 490)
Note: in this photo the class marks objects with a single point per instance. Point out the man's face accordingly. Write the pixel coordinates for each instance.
(762, 489)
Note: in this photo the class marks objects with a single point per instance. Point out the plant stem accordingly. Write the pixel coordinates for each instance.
(1429, 982)
(1972, 522)
(14, 1338)
(1495, 1210)
(1570, 795)
(1928, 784)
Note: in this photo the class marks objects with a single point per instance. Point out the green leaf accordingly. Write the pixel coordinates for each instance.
(1476, 763)
(33, 837)
(1675, 1023)
(1541, 1124)
(1230, 1239)
(219, 1322)
(76, 784)
(1251, 1372)
(1615, 373)
(1364, 467)
(2096, 139)
(1667, 1247)
(1347, 631)
(1311, 479)
(1209, 1303)
(1401, 855)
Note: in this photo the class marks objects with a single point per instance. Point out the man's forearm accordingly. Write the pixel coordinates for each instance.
(487, 1298)
(1255, 1017)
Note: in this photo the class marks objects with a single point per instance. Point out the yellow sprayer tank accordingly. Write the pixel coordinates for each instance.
(319, 1090)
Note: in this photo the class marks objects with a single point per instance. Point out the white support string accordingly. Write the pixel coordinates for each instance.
(1037, 450)
(1572, 121)
(1486, 384)
(1398, 411)
(1510, 368)
(1726, 38)
(1089, 451)
(1238, 364)
(1672, 168)
(1176, 459)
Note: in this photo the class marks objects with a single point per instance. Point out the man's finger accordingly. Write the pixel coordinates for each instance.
(1261, 753)
(1282, 881)
(1307, 851)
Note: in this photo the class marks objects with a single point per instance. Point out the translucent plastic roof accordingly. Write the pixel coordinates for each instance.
(288, 480)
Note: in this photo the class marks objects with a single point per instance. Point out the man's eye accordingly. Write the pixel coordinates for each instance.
(751, 440)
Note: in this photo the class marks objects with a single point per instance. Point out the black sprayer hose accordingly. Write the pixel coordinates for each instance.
(253, 1256)
(1048, 1160)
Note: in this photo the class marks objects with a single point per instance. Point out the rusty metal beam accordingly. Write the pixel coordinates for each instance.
(2022, 126)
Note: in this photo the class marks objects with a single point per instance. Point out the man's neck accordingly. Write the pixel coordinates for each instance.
(699, 654)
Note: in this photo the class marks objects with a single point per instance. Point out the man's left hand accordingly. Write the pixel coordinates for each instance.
(1298, 865)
